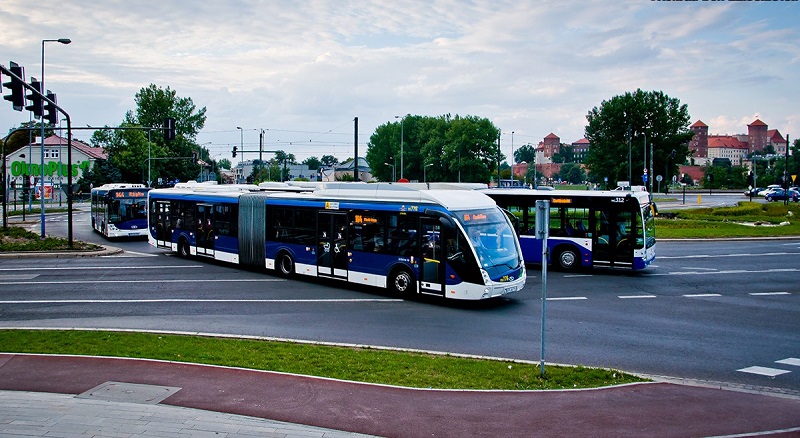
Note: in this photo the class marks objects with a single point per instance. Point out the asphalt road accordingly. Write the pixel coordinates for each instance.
(709, 310)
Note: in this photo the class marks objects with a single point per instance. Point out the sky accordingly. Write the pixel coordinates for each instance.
(302, 71)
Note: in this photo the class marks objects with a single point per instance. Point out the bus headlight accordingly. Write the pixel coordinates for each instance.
(486, 279)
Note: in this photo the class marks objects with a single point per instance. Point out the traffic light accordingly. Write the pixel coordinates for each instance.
(50, 113)
(36, 99)
(17, 96)
(169, 129)
(234, 151)
(194, 157)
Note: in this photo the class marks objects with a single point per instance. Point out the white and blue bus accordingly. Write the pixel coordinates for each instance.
(450, 243)
(119, 210)
(587, 228)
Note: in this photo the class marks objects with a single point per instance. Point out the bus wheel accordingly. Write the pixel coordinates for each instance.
(183, 249)
(567, 260)
(285, 265)
(401, 283)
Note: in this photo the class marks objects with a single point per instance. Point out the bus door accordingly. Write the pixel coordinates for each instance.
(332, 244)
(160, 223)
(204, 242)
(611, 239)
(431, 277)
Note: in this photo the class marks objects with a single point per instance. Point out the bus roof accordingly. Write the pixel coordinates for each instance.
(642, 197)
(112, 186)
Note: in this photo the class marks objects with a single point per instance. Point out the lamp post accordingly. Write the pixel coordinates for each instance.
(241, 151)
(393, 174)
(512, 155)
(401, 144)
(425, 172)
(41, 183)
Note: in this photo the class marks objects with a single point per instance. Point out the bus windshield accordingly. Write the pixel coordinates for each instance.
(493, 238)
(126, 209)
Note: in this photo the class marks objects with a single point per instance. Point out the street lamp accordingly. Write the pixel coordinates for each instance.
(425, 172)
(241, 151)
(512, 156)
(41, 183)
(401, 144)
(393, 174)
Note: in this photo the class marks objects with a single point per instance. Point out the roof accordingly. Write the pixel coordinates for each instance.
(551, 135)
(91, 152)
(699, 124)
(775, 136)
(725, 141)
(582, 141)
(758, 122)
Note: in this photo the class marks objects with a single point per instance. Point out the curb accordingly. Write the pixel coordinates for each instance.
(105, 251)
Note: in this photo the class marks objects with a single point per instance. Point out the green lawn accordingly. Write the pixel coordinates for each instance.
(747, 219)
(408, 369)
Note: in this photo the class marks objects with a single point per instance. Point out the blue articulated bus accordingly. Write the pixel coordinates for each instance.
(120, 210)
(408, 239)
(613, 228)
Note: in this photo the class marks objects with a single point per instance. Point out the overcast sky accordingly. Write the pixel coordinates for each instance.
(303, 70)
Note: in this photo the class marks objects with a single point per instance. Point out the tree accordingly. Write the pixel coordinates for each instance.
(141, 137)
(329, 160)
(313, 163)
(525, 153)
(224, 164)
(456, 148)
(284, 159)
(628, 124)
(572, 173)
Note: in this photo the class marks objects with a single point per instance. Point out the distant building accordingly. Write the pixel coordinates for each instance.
(345, 170)
(25, 162)
(707, 147)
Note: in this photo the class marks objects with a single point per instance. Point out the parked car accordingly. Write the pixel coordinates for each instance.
(780, 195)
(753, 192)
(770, 188)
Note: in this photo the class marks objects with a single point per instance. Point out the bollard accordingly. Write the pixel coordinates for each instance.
(699, 199)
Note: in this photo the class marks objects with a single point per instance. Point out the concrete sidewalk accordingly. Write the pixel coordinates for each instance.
(43, 395)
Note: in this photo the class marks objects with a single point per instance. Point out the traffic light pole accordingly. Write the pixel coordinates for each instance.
(48, 101)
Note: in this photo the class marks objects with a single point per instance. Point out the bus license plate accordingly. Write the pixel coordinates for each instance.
(509, 289)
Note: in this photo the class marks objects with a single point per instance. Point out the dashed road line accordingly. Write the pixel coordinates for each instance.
(702, 295)
(789, 361)
(764, 371)
(627, 297)
(766, 294)
(567, 298)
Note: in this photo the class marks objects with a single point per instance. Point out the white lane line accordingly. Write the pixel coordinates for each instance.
(702, 295)
(764, 294)
(18, 277)
(187, 300)
(207, 280)
(105, 268)
(790, 361)
(627, 297)
(577, 275)
(706, 256)
(773, 432)
(699, 269)
(567, 299)
(764, 371)
(132, 254)
(733, 271)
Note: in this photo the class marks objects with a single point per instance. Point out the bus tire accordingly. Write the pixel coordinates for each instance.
(567, 259)
(285, 265)
(183, 248)
(401, 283)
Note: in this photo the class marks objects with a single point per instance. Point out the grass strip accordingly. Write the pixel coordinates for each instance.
(747, 219)
(408, 369)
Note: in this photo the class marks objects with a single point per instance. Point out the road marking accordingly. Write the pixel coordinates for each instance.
(132, 254)
(764, 294)
(18, 277)
(699, 269)
(194, 280)
(762, 433)
(764, 371)
(577, 275)
(188, 300)
(790, 361)
(108, 268)
(708, 256)
(733, 271)
(626, 297)
(702, 295)
(567, 299)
